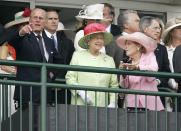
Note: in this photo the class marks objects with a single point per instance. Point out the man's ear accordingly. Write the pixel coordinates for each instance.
(126, 25)
(112, 17)
(144, 29)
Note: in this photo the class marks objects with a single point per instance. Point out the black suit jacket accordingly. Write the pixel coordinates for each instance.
(27, 49)
(66, 48)
(4, 33)
(177, 64)
(2, 30)
(115, 30)
(163, 63)
(177, 69)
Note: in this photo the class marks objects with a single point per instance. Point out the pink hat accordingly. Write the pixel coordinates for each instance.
(91, 29)
(147, 42)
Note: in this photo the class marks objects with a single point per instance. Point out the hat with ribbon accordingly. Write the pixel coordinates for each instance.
(20, 17)
(94, 28)
(147, 42)
(94, 11)
(171, 24)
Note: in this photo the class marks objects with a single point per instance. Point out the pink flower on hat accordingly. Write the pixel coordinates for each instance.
(27, 12)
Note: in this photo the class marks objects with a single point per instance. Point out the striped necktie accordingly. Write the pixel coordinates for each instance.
(55, 42)
(41, 47)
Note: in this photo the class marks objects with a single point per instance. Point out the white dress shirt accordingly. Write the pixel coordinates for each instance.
(49, 35)
(124, 33)
(108, 29)
(170, 50)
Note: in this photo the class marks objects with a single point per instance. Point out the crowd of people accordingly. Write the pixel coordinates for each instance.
(133, 44)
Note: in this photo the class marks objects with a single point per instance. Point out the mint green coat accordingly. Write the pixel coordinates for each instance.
(84, 58)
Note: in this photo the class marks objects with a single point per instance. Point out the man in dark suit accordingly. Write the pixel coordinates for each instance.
(109, 14)
(31, 44)
(150, 26)
(63, 46)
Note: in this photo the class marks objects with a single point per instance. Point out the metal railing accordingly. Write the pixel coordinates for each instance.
(44, 85)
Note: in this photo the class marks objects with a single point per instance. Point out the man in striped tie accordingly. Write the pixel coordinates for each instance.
(64, 46)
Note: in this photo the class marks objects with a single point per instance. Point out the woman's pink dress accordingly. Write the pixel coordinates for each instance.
(147, 62)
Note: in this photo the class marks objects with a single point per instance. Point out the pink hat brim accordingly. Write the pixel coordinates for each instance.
(147, 42)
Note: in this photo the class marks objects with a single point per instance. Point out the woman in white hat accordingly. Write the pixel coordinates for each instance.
(94, 38)
(89, 14)
(140, 48)
(171, 37)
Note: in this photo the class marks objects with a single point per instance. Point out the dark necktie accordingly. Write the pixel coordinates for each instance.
(40, 42)
(55, 43)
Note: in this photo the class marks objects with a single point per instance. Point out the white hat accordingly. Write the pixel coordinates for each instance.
(171, 24)
(20, 17)
(68, 32)
(60, 26)
(91, 12)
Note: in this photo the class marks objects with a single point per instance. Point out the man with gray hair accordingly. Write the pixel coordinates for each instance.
(31, 44)
(150, 26)
(128, 20)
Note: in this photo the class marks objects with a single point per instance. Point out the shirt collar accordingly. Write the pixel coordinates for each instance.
(37, 34)
(124, 33)
(49, 34)
(108, 29)
(170, 48)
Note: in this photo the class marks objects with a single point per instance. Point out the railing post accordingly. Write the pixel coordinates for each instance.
(5, 100)
(43, 98)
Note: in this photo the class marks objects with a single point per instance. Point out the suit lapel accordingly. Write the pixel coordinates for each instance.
(60, 43)
(35, 47)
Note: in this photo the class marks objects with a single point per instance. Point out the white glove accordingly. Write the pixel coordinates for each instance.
(111, 105)
(83, 96)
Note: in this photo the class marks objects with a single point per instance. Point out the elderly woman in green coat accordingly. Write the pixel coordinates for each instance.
(95, 37)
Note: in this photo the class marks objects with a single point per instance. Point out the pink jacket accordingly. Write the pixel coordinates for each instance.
(147, 62)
